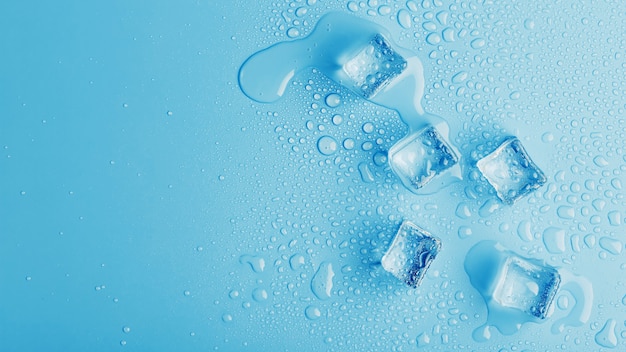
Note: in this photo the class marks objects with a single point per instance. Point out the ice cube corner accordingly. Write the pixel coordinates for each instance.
(410, 254)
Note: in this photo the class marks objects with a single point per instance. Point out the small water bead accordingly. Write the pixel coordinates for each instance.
(433, 39)
(565, 212)
(367, 146)
(448, 35)
(337, 120)
(227, 318)
(380, 158)
(333, 100)
(126, 329)
(459, 77)
(312, 313)
(259, 295)
(293, 32)
(384, 10)
(477, 43)
(529, 24)
(327, 145)
(368, 127)
(349, 143)
(464, 232)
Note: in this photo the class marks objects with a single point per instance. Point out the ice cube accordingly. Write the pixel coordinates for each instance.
(373, 67)
(526, 286)
(420, 156)
(510, 171)
(410, 254)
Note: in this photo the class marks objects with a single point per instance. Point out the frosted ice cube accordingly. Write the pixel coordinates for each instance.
(420, 156)
(510, 171)
(526, 286)
(410, 254)
(372, 68)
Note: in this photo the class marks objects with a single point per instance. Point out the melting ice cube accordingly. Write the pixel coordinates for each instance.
(411, 253)
(526, 286)
(373, 67)
(419, 157)
(510, 171)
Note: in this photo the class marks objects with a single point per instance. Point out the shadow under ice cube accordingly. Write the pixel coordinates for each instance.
(420, 156)
(526, 286)
(372, 68)
(410, 254)
(510, 171)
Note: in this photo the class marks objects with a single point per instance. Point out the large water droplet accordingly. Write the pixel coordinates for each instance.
(554, 240)
(606, 337)
(322, 281)
(327, 145)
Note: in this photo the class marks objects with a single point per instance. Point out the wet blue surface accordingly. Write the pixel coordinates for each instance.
(146, 203)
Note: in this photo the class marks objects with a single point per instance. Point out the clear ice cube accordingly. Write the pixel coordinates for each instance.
(410, 254)
(526, 286)
(510, 171)
(419, 157)
(372, 68)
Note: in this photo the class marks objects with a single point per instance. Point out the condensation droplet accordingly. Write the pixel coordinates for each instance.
(554, 240)
(327, 145)
(333, 100)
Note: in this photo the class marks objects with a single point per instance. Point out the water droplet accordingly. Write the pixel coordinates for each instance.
(477, 43)
(463, 211)
(489, 207)
(554, 240)
(529, 24)
(259, 295)
(433, 39)
(600, 161)
(368, 127)
(296, 262)
(312, 313)
(366, 173)
(606, 337)
(404, 19)
(337, 120)
(349, 143)
(459, 77)
(380, 158)
(565, 212)
(422, 340)
(327, 145)
(615, 218)
(547, 137)
(256, 263)
(322, 281)
(126, 329)
(448, 34)
(611, 245)
(293, 32)
(464, 232)
(333, 100)
(227, 318)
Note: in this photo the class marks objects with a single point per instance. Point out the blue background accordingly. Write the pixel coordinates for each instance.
(137, 179)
